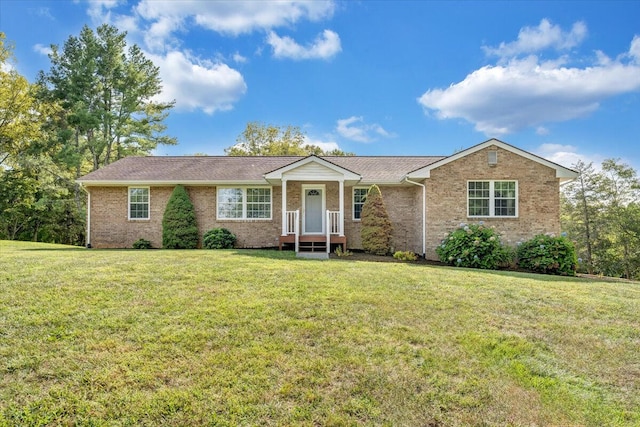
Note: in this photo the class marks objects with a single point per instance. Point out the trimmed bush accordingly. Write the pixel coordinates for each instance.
(142, 244)
(218, 238)
(474, 246)
(376, 226)
(179, 225)
(549, 255)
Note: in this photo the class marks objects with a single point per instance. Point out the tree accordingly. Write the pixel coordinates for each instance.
(582, 208)
(259, 139)
(107, 95)
(179, 225)
(20, 120)
(601, 213)
(376, 226)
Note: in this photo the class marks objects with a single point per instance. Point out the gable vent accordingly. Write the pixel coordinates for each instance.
(493, 158)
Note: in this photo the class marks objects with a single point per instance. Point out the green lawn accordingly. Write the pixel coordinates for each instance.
(124, 337)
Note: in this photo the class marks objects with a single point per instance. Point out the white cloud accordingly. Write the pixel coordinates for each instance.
(226, 17)
(198, 84)
(42, 49)
(527, 92)
(355, 129)
(544, 36)
(567, 155)
(324, 47)
(634, 50)
(239, 59)
(324, 145)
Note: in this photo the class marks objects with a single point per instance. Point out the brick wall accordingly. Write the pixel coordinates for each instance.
(538, 204)
(111, 228)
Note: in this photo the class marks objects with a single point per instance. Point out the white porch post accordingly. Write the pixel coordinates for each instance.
(284, 207)
(341, 192)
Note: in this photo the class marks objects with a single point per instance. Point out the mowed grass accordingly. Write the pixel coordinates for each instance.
(124, 337)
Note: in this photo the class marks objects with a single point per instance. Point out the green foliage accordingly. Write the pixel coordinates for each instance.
(376, 227)
(142, 244)
(405, 256)
(342, 253)
(549, 255)
(179, 226)
(259, 139)
(107, 93)
(218, 238)
(474, 246)
(600, 212)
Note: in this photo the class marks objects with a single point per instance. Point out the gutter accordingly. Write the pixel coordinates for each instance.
(424, 215)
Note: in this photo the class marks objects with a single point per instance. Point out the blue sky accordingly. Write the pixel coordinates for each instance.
(559, 79)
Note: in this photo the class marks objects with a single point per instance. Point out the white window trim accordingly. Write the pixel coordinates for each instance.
(492, 206)
(353, 202)
(244, 202)
(129, 203)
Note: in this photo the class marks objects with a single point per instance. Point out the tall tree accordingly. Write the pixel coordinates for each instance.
(582, 210)
(20, 118)
(259, 139)
(601, 213)
(107, 93)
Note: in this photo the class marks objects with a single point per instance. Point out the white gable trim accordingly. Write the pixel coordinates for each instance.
(561, 172)
(331, 168)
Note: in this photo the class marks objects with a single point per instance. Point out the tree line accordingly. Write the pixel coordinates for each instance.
(98, 103)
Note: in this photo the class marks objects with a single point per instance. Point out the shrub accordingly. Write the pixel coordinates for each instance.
(219, 238)
(142, 244)
(342, 253)
(405, 256)
(547, 254)
(375, 224)
(179, 226)
(475, 246)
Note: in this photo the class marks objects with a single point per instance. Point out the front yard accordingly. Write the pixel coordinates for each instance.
(159, 337)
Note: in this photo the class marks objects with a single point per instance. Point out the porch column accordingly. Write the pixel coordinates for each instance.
(341, 192)
(284, 207)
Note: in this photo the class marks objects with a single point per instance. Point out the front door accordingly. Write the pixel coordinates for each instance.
(313, 208)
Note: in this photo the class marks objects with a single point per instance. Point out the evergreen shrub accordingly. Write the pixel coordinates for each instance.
(376, 228)
(142, 244)
(179, 225)
(219, 238)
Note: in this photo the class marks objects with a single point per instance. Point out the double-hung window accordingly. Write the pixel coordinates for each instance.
(244, 203)
(138, 202)
(359, 197)
(492, 198)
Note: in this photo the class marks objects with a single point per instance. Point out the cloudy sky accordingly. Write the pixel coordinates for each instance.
(559, 79)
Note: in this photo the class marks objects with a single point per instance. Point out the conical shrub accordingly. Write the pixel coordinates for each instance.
(376, 228)
(179, 225)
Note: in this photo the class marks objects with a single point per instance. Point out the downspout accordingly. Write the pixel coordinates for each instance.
(424, 215)
(88, 239)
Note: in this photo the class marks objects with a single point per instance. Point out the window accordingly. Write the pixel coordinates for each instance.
(138, 202)
(244, 203)
(359, 197)
(492, 198)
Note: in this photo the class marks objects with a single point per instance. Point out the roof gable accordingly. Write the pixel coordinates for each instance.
(312, 168)
(561, 172)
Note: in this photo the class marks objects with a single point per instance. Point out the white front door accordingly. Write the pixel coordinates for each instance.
(313, 208)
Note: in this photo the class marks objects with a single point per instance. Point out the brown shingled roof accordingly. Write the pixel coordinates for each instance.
(205, 169)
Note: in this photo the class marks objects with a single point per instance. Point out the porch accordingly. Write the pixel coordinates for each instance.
(313, 243)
